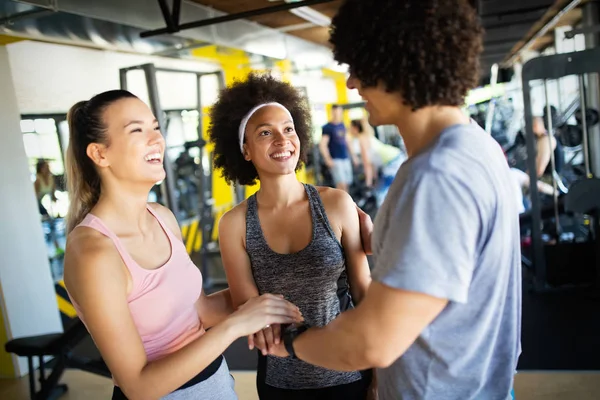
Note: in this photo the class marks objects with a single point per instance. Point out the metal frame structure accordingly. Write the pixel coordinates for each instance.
(205, 182)
(550, 68)
(541, 32)
(58, 118)
(35, 13)
(349, 106)
(172, 18)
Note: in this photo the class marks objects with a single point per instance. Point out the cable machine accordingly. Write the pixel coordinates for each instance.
(559, 261)
(206, 209)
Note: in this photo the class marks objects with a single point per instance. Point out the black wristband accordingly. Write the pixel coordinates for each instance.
(289, 335)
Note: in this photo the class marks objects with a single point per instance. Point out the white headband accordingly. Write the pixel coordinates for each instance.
(242, 130)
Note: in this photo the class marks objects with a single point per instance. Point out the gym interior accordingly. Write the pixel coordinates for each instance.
(540, 65)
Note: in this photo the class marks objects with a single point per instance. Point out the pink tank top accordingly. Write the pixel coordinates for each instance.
(162, 301)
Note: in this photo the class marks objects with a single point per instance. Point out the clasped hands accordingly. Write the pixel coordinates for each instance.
(269, 341)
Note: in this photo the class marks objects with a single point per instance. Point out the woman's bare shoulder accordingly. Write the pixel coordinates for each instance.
(330, 193)
(336, 200)
(237, 211)
(87, 249)
(84, 240)
(235, 219)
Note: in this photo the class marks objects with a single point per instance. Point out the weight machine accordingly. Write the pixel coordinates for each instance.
(563, 262)
(206, 203)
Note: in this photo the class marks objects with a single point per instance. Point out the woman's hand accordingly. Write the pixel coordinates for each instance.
(265, 339)
(261, 312)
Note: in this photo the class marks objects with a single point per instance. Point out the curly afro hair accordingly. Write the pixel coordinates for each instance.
(234, 103)
(426, 50)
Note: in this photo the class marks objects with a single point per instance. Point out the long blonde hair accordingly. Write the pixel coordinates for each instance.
(86, 126)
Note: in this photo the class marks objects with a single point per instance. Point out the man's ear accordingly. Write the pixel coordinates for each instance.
(97, 153)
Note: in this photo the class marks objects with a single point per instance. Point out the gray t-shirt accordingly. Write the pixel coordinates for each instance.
(449, 228)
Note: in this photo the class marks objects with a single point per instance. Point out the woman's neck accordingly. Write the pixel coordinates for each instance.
(125, 211)
(280, 191)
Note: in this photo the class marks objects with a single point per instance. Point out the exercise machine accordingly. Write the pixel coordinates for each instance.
(557, 260)
(57, 352)
(168, 186)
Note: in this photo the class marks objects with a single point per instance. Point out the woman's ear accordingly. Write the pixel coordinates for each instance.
(246, 153)
(97, 153)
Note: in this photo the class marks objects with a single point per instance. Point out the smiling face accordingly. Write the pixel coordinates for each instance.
(136, 146)
(272, 144)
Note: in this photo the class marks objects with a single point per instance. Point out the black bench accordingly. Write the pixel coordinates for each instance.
(584, 198)
(63, 349)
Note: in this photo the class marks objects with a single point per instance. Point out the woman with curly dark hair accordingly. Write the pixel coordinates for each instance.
(442, 317)
(297, 239)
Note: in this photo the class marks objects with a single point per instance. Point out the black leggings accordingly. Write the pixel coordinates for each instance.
(351, 391)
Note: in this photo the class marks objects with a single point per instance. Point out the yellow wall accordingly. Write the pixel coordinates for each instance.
(341, 91)
(235, 65)
(285, 67)
(4, 39)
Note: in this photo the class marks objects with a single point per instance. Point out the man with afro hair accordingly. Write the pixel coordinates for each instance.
(441, 319)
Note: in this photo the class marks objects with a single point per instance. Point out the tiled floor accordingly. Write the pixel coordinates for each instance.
(528, 386)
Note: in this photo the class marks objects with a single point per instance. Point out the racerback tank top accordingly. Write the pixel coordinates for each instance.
(162, 301)
(313, 279)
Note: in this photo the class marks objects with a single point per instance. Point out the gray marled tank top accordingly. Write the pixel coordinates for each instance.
(310, 280)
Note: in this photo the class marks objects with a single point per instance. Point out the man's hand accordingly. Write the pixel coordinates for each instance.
(279, 350)
(366, 230)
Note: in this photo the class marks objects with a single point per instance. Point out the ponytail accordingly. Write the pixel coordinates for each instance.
(86, 126)
(358, 125)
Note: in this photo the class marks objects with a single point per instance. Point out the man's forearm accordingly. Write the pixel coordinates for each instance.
(340, 346)
(544, 188)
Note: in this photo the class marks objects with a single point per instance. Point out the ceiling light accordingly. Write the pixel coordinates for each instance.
(312, 16)
(308, 14)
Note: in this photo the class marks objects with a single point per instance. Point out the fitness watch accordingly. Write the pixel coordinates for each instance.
(290, 334)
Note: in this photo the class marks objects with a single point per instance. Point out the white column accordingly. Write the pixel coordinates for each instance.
(27, 298)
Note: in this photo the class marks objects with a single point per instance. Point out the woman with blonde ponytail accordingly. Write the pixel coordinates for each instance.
(127, 271)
